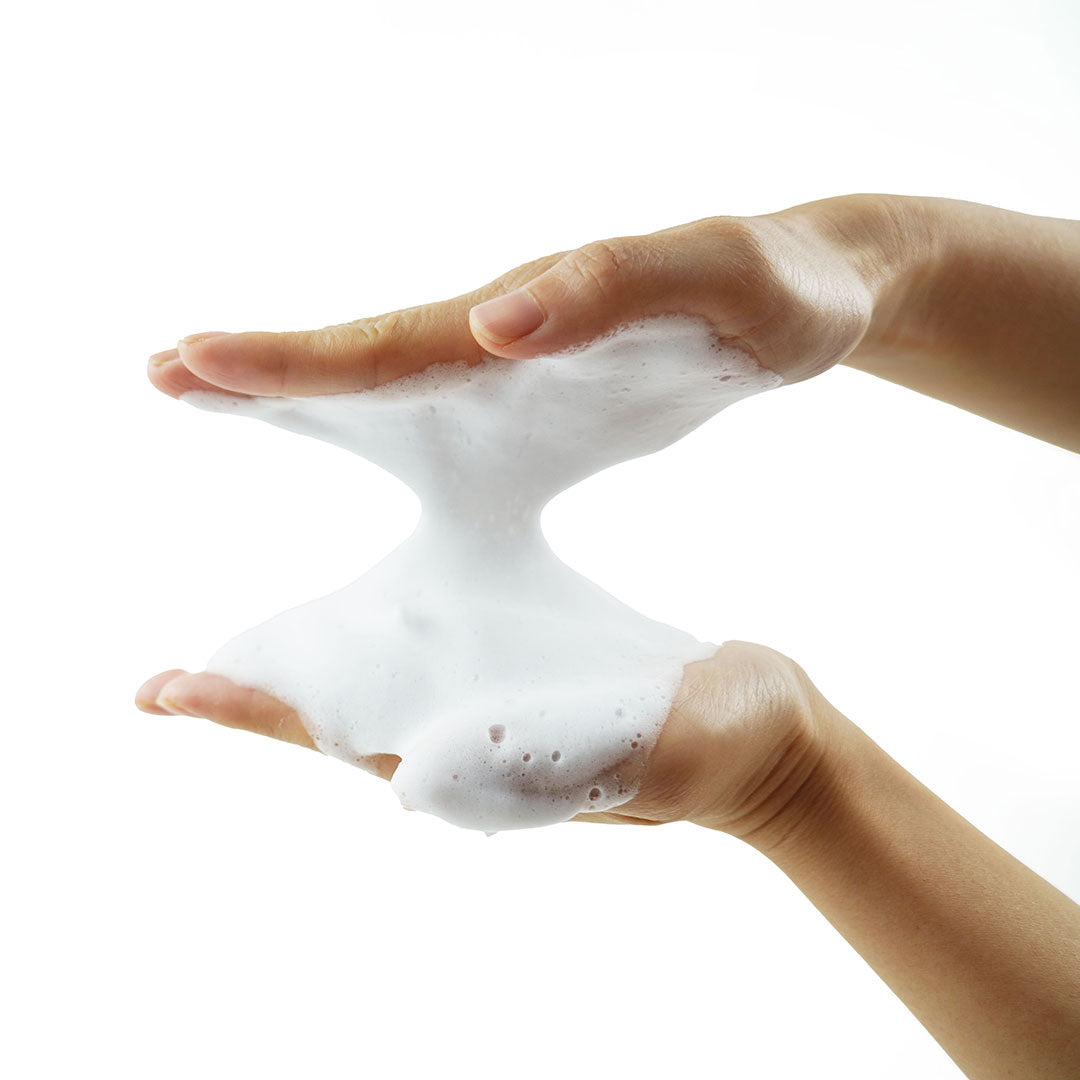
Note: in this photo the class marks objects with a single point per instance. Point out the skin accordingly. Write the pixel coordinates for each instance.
(973, 305)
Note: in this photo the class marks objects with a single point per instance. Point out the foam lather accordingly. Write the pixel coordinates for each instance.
(516, 692)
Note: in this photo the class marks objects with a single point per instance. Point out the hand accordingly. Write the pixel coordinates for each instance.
(744, 735)
(792, 288)
(786, 287)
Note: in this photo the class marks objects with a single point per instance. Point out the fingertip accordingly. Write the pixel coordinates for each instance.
(507, 319)
(185, 694)
(514, 331)
(147, 694)
(174, 379)
(217, 359)
(166, 356)
(150, 707)
(260, 363)
(219, 699)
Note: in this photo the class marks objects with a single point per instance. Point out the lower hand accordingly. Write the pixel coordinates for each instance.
(744, 735)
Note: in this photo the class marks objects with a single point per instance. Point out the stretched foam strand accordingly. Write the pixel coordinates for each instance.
(516, 692)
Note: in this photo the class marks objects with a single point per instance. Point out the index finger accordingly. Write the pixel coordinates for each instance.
(349, 356)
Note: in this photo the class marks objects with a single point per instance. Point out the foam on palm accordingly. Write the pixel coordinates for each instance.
(516, 692)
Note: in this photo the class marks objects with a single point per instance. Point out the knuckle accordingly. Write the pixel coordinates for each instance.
(364, 346)
(323, 346)
(520, 275)
(748, 255)
(370, 333)
(602, 264)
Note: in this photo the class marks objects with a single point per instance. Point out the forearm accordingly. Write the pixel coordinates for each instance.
(974, 305)
(983, 951)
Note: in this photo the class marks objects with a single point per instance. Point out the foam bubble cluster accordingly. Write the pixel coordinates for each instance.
(516, 692)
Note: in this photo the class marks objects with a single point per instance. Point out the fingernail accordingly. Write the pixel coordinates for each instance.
(206, 335)
(162, 702)
(160, 358)
(507, 318)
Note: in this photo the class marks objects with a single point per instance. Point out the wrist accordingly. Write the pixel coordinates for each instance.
(812, 811)
(841, 811)
(890, 242)
(774, 768)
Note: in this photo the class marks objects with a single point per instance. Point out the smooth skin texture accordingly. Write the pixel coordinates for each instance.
(973, 305)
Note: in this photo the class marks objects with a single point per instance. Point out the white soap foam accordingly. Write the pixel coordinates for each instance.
(516, 692)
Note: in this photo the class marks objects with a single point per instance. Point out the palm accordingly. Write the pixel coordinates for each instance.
(738, 736)
(735, 730)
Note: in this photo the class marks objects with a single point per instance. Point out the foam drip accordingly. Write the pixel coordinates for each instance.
(516, 692)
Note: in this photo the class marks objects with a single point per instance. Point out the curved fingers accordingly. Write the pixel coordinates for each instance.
(219, 699)
(213, 697)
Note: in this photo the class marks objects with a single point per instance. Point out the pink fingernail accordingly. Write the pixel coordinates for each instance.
(160, 358)
(507, 318)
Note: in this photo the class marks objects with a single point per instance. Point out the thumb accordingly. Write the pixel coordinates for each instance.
(587, 293)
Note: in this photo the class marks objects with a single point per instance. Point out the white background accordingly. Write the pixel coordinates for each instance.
(183, 900)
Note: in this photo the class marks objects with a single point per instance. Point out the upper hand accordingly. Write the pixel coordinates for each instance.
(784, 289)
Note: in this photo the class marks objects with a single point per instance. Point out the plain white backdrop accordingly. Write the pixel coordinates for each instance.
(182, 900)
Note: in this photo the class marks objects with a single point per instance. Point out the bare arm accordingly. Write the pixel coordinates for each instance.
(976, 306)
(981, 949)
